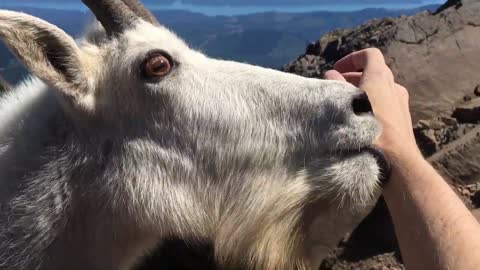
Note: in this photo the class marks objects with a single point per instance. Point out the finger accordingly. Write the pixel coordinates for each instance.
(368, 59)
(334, 76)
(353, 77)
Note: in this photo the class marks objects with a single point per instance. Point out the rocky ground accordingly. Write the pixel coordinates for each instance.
(437, 57)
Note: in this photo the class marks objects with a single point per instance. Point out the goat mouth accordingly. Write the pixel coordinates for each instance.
(380, 157)
(383, 163)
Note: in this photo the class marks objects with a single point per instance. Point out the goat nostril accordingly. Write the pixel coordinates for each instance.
(361, 105)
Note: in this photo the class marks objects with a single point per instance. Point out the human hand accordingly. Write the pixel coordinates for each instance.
(367, 70)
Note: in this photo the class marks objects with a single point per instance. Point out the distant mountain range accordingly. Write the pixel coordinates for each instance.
(255, 2)
(267, 39)
(288, 2)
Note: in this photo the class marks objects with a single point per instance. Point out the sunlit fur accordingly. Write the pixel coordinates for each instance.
(98, 165)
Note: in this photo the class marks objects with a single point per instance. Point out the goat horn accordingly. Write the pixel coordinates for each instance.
(114, 15)
(138, 8)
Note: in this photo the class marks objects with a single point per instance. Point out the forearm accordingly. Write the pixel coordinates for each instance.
(434, 228)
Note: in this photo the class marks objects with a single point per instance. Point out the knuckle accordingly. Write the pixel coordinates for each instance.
(403, 91)
(387, 73)
(374, 52)
(383, 74)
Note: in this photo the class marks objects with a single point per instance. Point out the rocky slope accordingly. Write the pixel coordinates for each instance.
(437, 57)
(429, 53)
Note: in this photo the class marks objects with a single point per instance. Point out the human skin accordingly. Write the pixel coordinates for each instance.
(434, 228)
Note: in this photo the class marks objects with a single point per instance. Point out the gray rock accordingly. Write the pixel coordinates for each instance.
(435, 124)
(459, 162)
(449, 121)
(476, 92)
(427, 141)
(468, 112)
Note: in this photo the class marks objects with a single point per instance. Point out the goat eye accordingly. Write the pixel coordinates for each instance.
(157, 66)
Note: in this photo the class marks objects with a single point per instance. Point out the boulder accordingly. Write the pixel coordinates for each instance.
(435, 124)
(468, 112)
(449, 121)
(427, 141)
(476, 92)
(433, 135)
(459, 162)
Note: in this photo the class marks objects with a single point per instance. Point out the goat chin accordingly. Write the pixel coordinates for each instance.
(350, 180)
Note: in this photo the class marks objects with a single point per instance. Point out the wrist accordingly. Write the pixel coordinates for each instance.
(407, 164)
(406, 158)
(403, 156)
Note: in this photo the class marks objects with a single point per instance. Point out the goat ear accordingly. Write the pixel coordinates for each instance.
(47, 51)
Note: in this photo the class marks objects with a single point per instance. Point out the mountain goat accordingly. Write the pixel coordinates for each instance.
(128, 139)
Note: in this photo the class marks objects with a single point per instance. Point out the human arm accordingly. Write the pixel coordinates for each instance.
(434, 228)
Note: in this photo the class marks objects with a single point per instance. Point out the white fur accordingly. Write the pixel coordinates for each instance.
(15, 104)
